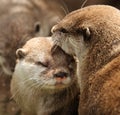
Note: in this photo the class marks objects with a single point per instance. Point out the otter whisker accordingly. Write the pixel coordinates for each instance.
(31, 87)
(25, 82)
(22, 83)
(83, 4)
(38, 84)
(54, 48)
(65, 8)
(75, 44)
(56, 41)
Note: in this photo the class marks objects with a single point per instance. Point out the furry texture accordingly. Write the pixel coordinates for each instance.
(37, 85)
(92, 34)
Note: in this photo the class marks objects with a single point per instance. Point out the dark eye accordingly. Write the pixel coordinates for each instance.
(37, 27)
(63, 30)
(79, 31)
(42, 64)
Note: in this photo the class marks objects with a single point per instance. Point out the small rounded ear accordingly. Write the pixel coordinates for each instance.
(37, 27)
(20, 53)
(53, 29)
(86, 33)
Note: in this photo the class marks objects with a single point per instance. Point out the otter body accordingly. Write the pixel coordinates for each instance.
(92, 34)
(43, 82)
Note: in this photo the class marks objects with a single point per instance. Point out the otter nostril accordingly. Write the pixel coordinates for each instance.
(61, 74)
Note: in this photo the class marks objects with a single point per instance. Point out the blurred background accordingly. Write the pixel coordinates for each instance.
(75, 4)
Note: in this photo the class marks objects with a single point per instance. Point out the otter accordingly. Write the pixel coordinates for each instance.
(44, 82)
(92, 35)
(19, 22)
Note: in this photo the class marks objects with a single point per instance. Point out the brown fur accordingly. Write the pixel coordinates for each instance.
(92, 34)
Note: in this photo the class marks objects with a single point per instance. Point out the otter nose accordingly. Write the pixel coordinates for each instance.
(61, 74)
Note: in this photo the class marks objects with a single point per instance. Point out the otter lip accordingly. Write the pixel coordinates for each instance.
(60, 77)
(62, 81)
(59, 80)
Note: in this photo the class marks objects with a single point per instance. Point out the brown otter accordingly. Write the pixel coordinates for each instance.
(92, 34)
(43, 82)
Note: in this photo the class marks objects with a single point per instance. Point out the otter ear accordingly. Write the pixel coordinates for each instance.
(86, 33)
(20, 53)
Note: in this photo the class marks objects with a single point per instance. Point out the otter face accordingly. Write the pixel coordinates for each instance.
(90, 35)
(38, 66)
(45, 75)
(87, 27)
(71, 34)
(71, 43)
(88, 30)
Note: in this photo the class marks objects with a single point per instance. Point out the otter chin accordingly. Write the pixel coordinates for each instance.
(92, 35)
(44, 81)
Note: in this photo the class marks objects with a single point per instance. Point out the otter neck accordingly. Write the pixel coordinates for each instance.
(92, 61)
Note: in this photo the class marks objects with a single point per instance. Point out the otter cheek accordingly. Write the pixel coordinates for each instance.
(67, 81)
(48, 78)
(67, 46)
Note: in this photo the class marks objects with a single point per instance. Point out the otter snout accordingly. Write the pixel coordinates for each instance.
(61, 75)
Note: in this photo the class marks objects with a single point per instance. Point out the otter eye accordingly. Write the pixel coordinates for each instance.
(37, 27)
(42, 64)
(63, 30)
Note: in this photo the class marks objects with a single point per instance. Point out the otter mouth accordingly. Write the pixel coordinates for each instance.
(59, 80)
(58, 84)
(62, 78)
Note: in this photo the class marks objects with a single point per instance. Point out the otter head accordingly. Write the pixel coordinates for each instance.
(41, 73)
(50, 69)
(92, 34)
(21, 21)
